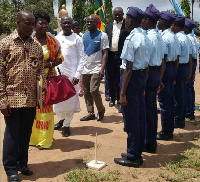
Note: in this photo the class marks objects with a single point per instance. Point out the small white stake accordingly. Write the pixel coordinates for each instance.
(95, 164)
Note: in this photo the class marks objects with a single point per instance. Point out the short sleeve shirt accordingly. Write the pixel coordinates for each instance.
(94, 43)
(185, 47)
(137, 49)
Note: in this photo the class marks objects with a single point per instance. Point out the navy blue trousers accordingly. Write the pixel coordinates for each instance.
(190, 97)
(134, 115)
(106, 85)
(151, 125)
(180, 94)
(166, 100)
(16, 138)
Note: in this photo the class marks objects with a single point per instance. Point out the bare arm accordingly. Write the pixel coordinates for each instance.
(126, 79)
(190, 68)
(104, 61)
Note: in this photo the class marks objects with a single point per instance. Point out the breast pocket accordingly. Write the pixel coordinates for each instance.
(34, 62)
(96, 46)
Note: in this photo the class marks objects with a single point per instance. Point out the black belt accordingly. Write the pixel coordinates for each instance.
(134, 71)
(153, 67)
(170, 62)
(115, 55)
(183, 63)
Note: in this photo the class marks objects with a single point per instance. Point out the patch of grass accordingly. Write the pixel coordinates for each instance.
(85, 175)
(186, 167)
(133, 173)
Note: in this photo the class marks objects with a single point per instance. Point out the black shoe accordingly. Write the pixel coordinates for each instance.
(120, 109)
(191, 117)
(100, 115)
(111, 103)
(88, 117)
(163, 136)
(125, 156)
(182, 125)
(65, 131)
(13, 178)
(25, 171)
(58, 125)
(107, 98)
(125, 162)
(150, 148)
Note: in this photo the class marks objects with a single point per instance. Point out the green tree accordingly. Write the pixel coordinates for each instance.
(197, 25)
(108, 10)
(83, 8)
(10, 8)
(185, 5)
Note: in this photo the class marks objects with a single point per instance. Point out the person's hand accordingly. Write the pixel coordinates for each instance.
(160, 88)
(48, 64)
(6, 110)
(123, 101)
(101, 74)
(75, 81)
(189, 77)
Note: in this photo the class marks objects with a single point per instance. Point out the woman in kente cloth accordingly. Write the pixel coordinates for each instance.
(43, 127)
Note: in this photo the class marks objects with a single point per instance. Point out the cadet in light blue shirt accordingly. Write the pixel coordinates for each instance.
(166, 89)
(157, 54)
(190, 93)
(135, 56)
(137, 42)
(183, 73)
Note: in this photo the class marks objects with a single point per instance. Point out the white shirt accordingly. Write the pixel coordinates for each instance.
(115, 36)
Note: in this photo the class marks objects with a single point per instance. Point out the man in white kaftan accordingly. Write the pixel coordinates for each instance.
(72, 67)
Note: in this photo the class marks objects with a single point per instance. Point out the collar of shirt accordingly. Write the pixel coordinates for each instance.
(165, 31)
(16, 36)
(150, 31)
(114, 22)
(181, 32)
(136, 30)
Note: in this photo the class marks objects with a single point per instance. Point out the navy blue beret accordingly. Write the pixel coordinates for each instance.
(180, 20)
(169, 17)
(136, 13)
(189, 23)
(152, 12)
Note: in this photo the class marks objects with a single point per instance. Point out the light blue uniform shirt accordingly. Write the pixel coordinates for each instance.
(194, 45)
(137, 49)
(171, 44)
(158, 47)
(185, 47)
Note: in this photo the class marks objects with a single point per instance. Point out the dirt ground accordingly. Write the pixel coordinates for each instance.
(50, 165)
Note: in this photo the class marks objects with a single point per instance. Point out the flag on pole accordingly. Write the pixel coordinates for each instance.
(98, 11)
(177, 7)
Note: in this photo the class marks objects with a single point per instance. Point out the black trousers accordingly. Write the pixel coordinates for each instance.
(113, 74)
(16, 138)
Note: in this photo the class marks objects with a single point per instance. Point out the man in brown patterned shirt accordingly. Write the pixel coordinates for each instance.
(21, 63)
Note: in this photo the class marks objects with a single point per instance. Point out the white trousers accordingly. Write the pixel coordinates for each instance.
(67, 116)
